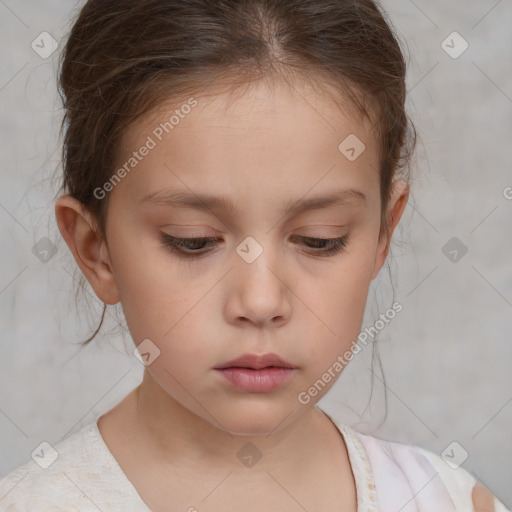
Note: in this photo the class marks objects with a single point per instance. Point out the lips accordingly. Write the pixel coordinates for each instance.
(256, 362)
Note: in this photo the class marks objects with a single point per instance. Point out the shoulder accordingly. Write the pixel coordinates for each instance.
(414, 478)
(61, 478)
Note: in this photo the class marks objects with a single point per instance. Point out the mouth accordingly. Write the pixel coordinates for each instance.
(257, 374)
(256, 362)
(250, 380)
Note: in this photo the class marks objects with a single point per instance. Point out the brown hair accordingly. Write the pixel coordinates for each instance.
(123, 57)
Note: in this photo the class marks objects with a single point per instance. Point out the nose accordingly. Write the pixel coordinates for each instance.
(259, 292)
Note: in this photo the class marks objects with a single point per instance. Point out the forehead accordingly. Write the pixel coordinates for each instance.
(259, 107)
(266, 139)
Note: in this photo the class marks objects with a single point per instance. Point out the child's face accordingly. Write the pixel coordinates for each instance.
(262, 153)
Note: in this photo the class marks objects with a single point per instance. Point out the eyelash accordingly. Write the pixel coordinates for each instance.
(175, 243)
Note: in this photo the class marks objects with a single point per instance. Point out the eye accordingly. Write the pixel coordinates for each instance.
(325, 246)
(194, 247)
(191, 247)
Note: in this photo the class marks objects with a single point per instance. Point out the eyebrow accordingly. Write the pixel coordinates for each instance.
(186, 199)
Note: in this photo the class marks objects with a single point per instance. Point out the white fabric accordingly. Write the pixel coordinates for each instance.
(389, 476)
(407, 478)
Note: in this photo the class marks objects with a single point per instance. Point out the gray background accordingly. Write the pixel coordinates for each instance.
(446, 356)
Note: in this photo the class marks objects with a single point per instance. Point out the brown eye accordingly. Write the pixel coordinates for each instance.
(325, 246)
(187, 246)
(195, 247)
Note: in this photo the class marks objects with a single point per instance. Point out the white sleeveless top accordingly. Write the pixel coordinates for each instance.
(389, 477)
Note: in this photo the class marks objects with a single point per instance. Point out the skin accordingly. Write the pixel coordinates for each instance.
(185, 422)
(483, 500)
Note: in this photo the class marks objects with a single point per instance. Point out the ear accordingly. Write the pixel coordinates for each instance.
(77, 227)
(396, 207)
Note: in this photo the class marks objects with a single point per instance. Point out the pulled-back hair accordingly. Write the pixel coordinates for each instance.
(124, 57)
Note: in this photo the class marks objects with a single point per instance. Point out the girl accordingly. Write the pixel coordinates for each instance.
(234, 174)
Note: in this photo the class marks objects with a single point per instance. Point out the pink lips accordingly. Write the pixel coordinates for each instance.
(256, 374)
(256, 362)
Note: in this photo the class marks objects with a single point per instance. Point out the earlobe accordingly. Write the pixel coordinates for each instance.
(89, 249)
(396, 206)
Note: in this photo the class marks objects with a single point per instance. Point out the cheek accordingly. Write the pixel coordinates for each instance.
(153, 294)
(338, 301)
(160, 306)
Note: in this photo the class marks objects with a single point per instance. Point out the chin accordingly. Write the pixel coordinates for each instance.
(256, 418)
